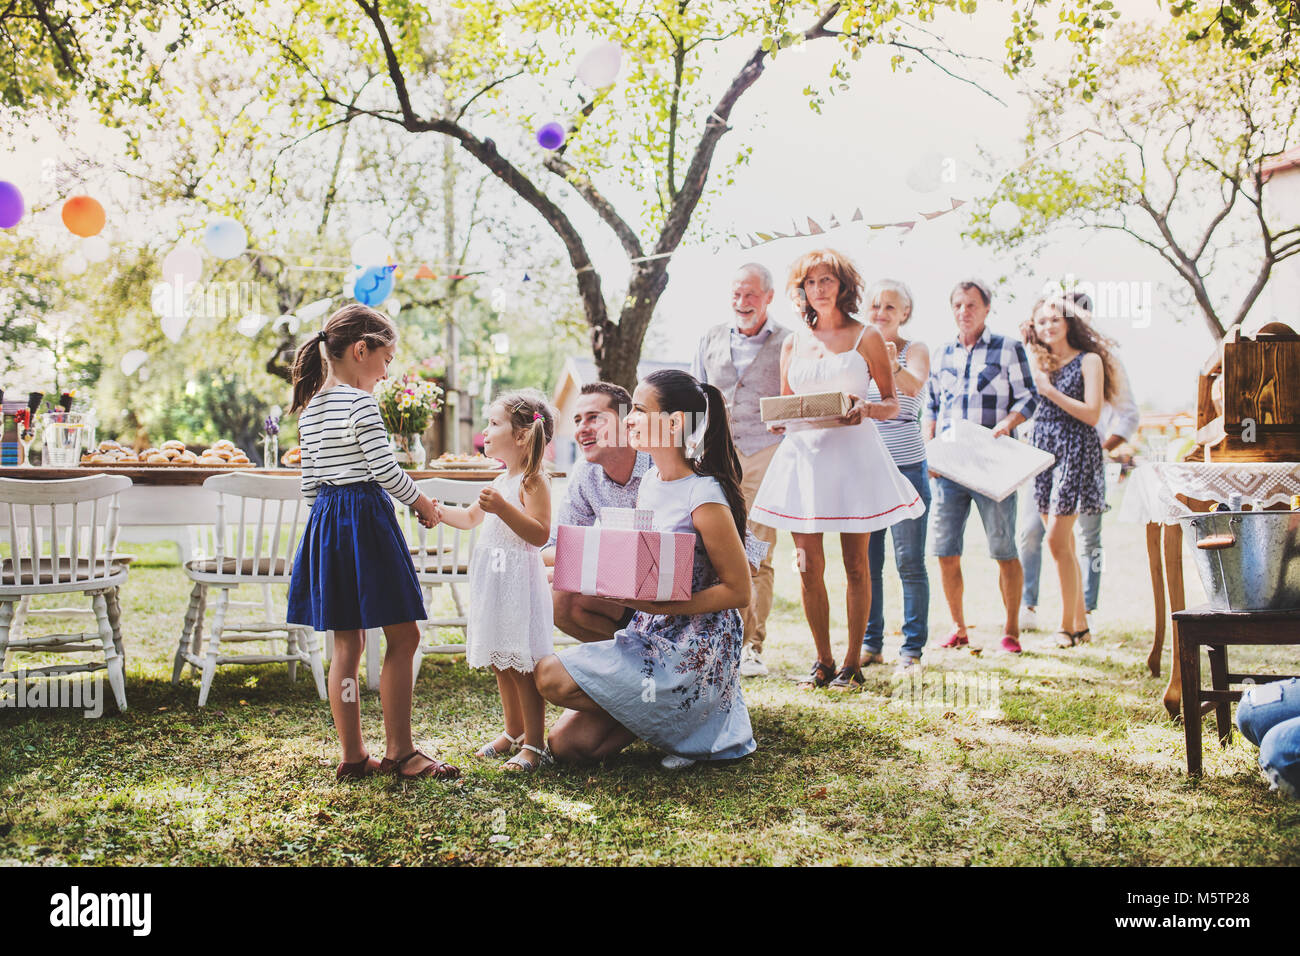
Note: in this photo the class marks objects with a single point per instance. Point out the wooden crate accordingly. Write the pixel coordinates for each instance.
(1248, 398)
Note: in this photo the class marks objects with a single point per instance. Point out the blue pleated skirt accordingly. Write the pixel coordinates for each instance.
(353, 568)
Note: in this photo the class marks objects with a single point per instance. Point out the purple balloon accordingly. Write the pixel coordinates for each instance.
(550, 136)
(11, 205)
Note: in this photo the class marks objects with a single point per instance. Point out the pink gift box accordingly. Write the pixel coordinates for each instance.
(619, 563)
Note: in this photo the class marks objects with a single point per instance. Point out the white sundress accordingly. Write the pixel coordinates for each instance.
(510, 614)
(833, 479)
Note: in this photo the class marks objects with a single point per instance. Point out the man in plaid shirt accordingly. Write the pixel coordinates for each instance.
(983, 377)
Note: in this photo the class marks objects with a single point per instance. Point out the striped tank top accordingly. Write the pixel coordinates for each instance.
(902, 435)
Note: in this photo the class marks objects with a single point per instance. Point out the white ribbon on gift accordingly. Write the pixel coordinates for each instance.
(590, 554)
(667, 555)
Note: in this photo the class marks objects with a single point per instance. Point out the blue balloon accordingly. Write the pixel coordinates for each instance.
(374, 285)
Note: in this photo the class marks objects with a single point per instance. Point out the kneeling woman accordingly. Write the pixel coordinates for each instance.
(672, 676)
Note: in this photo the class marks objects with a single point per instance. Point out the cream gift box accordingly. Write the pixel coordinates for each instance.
(809, 407)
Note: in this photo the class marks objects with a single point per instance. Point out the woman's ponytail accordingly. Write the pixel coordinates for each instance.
(719, 459)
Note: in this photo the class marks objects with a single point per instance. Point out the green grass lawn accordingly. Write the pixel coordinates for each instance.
(1078, 765)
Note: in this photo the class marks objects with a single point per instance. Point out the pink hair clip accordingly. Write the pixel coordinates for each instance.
(537, 416)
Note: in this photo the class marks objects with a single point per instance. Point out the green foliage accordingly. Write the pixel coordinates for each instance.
(1164, 149)
(1257, 29)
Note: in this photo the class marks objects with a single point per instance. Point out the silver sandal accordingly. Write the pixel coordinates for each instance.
(521, 762)
(490, 752)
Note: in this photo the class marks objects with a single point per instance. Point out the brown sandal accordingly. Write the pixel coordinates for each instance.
(436, 769)
(821, 675)
(364, 767)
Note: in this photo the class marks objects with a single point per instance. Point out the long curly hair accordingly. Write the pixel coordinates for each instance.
(1080, 335)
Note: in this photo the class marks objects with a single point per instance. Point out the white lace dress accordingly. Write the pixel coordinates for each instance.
(510, 616)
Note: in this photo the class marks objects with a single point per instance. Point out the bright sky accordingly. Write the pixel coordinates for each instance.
(858, 153)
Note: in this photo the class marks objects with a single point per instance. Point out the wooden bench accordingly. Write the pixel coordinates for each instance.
(1215, 630)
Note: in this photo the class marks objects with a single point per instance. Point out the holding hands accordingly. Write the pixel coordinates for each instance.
(427, 510)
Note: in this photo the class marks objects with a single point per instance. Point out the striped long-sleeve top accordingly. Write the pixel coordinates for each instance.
(344, 441)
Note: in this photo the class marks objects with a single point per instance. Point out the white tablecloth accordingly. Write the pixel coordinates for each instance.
(1152, 487)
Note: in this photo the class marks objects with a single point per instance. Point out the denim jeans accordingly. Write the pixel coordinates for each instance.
(1029, 541)
(909, 557)
(1274, 727)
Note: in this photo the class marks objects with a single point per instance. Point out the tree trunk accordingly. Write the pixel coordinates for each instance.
(617, 347)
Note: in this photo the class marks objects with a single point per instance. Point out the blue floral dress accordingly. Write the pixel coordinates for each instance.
(673, 679)
(1076, 483)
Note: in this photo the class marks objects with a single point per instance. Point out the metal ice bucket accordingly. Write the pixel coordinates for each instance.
(1248, 560)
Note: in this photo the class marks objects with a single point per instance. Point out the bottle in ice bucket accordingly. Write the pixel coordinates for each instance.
(1295, 502)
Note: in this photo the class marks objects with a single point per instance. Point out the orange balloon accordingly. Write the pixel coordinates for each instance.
(83, 216)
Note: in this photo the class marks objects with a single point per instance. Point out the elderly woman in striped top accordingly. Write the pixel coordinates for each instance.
(889, 306)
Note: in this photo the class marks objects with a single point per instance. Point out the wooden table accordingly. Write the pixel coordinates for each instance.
(1216, 631)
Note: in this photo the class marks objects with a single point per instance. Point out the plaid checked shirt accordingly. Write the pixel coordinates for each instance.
(984, 383)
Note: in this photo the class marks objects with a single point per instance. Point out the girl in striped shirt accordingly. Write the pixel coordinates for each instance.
(353, 568)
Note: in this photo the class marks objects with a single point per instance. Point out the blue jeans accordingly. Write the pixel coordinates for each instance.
(1274, 727)
(1029, 541)
(909, 557)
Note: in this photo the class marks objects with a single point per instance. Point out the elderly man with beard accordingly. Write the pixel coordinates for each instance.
(607, 476)
(743, 359)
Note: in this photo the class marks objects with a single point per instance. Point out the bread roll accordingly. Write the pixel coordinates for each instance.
(178, 445)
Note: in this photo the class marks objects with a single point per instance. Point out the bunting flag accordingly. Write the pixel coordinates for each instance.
(750, 240)
(943, 212)
(424, 272)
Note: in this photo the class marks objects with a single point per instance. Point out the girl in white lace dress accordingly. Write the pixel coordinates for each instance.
(510, 622)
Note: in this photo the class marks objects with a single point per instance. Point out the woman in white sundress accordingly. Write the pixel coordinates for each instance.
(838, 478)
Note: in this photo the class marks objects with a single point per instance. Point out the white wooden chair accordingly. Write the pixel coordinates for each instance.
(259, 521)
(63, 539)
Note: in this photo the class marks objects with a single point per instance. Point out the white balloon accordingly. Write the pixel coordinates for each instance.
(314, 310)
(95, 248)
(1004, 216)
(599, 66)
(226, 238)
(132, 361)
(251, 324)
(926, 174)
(173, 326)
(184, 263)
(372, 249)
(75, 264)
(392, 307)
